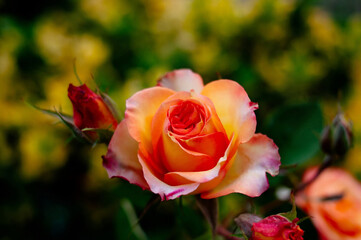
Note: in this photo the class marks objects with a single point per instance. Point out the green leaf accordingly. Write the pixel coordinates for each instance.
(296, 129)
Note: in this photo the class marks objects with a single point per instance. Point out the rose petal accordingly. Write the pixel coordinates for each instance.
(177, 158)
(121, 159)
(160, 116)
(140, 109)
(165, 190)
(233, 107)
(175, 180)
(213, 144)
(247, 173)
(208, 175)
(182, 80)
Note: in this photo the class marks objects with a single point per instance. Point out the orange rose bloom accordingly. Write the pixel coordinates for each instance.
(336, 218)
(89, 110)
(183, 138)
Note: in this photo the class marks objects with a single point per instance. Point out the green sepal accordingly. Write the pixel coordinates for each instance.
(50, 112)
(291, 215)
(67, 120)
(111, 105)
(303, 219)
(79, 134)
(104, 135)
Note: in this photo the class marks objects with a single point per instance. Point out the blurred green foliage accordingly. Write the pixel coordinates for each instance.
(296, 129)
(297, 59)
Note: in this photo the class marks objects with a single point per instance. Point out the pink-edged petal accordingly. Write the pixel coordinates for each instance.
(247, 172)
(165, 191)
(182, 80)
(140, 109)
(233, 107)
(121, 159)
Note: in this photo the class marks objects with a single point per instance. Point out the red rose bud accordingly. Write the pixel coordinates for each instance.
(276, 227)
(90, 110)
(337, 138)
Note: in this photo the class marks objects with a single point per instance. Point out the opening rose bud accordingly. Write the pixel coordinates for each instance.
(183, 138)
(90, 111)
(276, 227)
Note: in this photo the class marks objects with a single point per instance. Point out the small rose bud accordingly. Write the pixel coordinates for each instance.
(245, 222)
(326, 140)
(90, 111)
(337, 138)
(342, 138)
(276, 227)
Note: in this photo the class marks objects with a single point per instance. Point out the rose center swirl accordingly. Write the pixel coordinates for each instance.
(186, 117)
